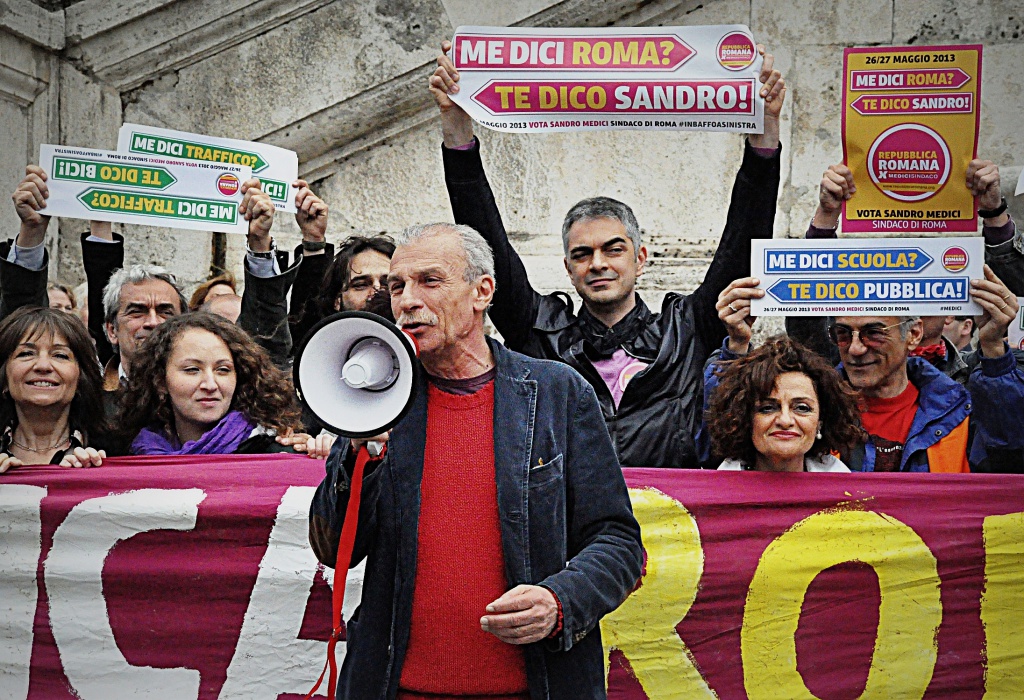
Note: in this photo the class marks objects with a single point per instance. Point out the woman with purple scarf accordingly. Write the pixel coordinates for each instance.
(201, 385)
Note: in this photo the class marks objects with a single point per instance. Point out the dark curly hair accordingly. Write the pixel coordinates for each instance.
(336, 278)
(86, 413)
(751, 379)
(263, 393)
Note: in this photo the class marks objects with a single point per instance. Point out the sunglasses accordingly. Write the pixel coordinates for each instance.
(872, 336)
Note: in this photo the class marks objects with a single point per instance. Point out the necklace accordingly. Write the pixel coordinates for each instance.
(65, 441)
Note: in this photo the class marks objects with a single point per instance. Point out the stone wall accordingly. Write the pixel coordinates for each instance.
(343, 84)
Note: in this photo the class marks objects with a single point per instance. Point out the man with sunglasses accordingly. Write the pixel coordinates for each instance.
(916, 418)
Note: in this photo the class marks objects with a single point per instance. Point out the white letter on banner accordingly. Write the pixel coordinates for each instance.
(270, 659)
(20, 544)
(92, 662)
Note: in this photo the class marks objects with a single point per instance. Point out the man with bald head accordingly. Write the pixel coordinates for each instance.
(497, 528)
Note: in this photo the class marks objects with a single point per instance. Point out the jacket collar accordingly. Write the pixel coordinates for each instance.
(942, 405)
(112, 373)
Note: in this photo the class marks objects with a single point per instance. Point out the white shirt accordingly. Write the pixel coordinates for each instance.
(828, 463)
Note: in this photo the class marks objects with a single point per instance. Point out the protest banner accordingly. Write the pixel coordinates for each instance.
(910, 128)
(530, 80)
(1016, 330)
(867, 276)
(147, 190)
(277, 168)
(1020, 185)
(192, 578)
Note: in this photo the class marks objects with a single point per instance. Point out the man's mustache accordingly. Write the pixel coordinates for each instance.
(426, 319)
(596, 278)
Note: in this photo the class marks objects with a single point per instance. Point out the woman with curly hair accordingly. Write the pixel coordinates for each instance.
(51, 406)
(782, 408)
(201, 385)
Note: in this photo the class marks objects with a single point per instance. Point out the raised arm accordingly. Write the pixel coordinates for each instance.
(514, 309)
(751, 210)
(264, 302)
(23, 262)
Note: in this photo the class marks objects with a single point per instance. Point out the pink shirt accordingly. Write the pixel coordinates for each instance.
(617, 370)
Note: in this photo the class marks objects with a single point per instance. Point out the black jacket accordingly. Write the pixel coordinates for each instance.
(566, 524)
(660, 411)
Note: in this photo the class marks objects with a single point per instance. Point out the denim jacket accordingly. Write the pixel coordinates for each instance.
(566, 524)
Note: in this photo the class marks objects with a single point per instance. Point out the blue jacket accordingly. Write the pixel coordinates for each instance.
(944, 415)
(566, 525)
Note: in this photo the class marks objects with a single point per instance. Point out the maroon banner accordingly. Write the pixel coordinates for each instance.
(192, 578)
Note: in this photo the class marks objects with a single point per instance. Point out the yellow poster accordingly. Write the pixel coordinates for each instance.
(910, 128)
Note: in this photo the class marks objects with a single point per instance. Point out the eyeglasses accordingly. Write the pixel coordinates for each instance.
(871, 336)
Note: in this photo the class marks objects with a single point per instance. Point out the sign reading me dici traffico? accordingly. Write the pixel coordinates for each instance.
(107, 186)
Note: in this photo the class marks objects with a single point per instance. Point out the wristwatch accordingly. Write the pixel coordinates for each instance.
(268, 255)
(313, 246)
(993, 213)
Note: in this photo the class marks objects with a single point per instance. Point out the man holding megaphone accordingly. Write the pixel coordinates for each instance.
(497, 527)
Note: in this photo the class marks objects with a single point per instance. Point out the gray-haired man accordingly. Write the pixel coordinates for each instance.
(646, 367)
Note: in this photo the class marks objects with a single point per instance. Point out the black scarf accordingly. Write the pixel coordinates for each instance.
(600, 341)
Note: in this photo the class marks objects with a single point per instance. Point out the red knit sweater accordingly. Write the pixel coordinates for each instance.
(460, 567)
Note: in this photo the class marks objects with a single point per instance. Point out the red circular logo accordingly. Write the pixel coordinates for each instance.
(909, 162)
(227, 184)
(954, 259)
(736, 51)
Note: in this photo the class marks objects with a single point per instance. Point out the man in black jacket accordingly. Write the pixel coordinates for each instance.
(646, 367)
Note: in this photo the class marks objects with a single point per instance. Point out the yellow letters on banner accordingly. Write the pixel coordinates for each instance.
(644, 627)
(908, 616)
(1001, 612)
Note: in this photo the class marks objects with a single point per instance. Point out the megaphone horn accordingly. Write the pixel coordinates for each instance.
(357, 373)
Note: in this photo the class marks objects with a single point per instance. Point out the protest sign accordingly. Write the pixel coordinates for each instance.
(867, 276)
(1020, 185)
(910, 128)
(147, 190)
(192, 577)
(1016, 330)
(277, 168)
(530, 80)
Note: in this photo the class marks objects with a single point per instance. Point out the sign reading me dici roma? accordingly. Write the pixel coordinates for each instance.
(533, 79)
(107, 186)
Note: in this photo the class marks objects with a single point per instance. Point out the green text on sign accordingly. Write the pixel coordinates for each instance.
(158, 145)
(186, 208)
(112, 173)
(275, 189)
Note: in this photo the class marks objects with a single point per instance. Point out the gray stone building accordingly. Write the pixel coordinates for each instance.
(343, 83)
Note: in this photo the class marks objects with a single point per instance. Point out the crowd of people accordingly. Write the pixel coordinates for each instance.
(533, 431)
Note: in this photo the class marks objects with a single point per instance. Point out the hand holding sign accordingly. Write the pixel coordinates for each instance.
(983, 182)
(456, 125)
(773, 91)
(310, 213)
(734, 311)
(258, 209)
(1001, 309)
(29, 197)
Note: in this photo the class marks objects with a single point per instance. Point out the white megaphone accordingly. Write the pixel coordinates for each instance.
(357, 373)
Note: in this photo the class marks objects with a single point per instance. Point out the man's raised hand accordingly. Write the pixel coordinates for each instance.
(29, 198)
(258, 210)
(456, 125)
(310, 213)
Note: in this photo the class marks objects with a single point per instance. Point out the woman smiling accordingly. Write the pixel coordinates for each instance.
(201, 385)
(782, 408)
(51, 410)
